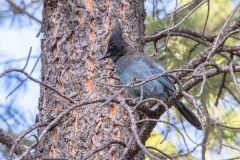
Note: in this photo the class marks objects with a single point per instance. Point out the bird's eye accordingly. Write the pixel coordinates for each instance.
(111, 47)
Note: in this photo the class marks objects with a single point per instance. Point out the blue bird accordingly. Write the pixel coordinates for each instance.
(132, 64)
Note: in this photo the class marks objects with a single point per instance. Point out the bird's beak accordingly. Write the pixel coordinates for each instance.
(106, 55)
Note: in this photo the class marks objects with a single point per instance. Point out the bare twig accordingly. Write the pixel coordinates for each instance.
(22, 10)
(208, 11)
(58, 119)
(159, 151)
(232, 94)
(231, 66)
(29, 54)
(167, 123)
(35, 80)
(217, 43)
(25, 78)
(228, 127)
(135, 134)
(104, 147)
(237, 149)
(8, 141)
(35, 126)
(178, 24)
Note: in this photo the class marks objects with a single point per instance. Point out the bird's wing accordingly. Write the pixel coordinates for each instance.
(170, 89)
(156, 68)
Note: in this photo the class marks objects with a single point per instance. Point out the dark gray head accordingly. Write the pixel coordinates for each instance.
(116, 45)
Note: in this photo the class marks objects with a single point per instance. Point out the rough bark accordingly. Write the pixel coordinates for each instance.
(75, 36)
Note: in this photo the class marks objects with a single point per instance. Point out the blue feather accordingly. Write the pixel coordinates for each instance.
(132, 65)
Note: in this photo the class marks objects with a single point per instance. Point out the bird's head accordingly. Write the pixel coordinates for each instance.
(116, 45)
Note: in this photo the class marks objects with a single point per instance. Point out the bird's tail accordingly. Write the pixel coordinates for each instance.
(188, 114)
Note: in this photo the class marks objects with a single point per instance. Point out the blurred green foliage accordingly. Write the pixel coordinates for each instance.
(179, 50)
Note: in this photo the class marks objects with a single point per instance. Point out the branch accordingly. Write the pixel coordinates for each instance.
(23, 10)
(36, 81)
(208, 11)
(179, 23)
(188, 85)
(232, 94)
(8, 141)
(193, 63)
(60, 117)
(35, 126)
(194, 35)
(104, 147)
(136, 135)
(228, 127)
(210, 73)
(197, 36)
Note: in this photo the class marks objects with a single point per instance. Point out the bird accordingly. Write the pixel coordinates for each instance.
(132, 64)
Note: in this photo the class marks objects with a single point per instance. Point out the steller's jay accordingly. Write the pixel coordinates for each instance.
(132, 64)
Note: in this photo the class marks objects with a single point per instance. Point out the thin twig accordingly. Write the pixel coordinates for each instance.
(58, 119)
(179, 23)
(36, 81)
(24, 79)
(104, 147)
(135, 134)
(208, 11)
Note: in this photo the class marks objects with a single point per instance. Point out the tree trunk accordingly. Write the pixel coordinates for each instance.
(75, 36)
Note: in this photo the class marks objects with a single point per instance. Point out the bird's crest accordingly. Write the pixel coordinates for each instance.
(116, 33)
